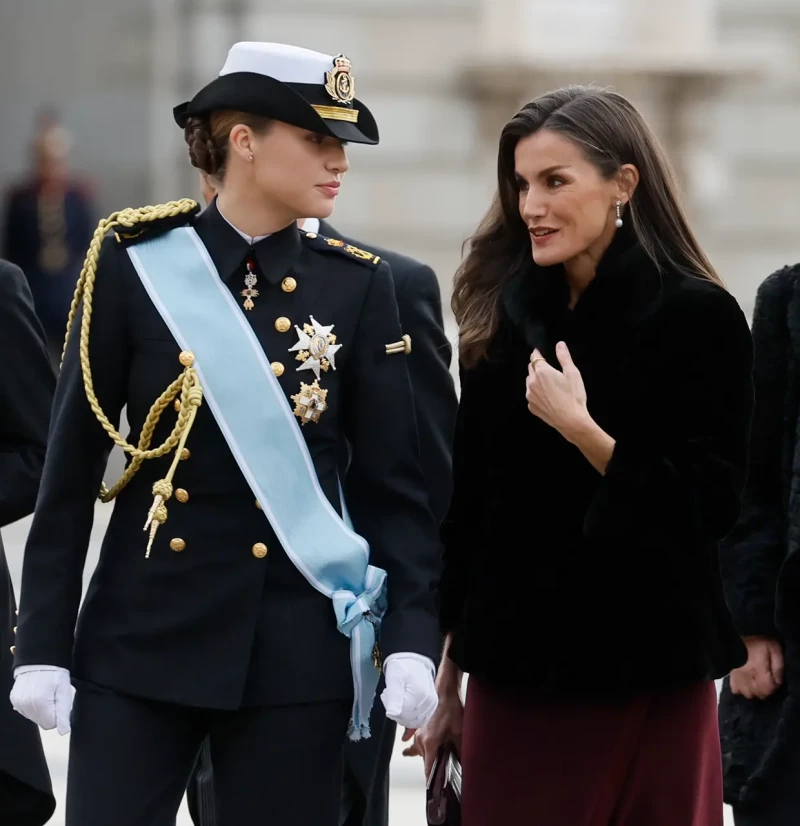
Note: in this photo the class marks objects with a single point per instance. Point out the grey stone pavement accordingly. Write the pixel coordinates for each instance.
(408, 795)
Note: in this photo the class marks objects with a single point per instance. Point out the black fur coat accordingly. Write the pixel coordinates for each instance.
(565, 582)
(760, 563)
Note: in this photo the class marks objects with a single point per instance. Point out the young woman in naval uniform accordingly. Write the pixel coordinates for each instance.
(264, 597)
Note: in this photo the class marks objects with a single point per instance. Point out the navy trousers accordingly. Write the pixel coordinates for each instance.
(130, 761)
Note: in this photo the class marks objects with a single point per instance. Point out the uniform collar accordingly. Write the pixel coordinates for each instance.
(275, 254)
(246, 237)
(312, 225)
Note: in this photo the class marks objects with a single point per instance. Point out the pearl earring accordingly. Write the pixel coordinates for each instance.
(618, 222)
(250, 157)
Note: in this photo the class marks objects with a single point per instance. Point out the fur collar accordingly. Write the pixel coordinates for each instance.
(535, 301)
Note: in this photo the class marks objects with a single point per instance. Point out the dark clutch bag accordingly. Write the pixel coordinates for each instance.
(443, 792)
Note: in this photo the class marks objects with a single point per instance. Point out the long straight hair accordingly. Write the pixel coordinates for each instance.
(610, 132)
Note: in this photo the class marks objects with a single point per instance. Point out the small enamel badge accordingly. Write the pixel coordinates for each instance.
(316, 347)
(310, 403)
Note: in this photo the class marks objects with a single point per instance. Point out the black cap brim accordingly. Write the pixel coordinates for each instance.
(291, 103)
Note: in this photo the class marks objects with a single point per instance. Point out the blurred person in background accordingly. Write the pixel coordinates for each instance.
(27, 380)
(365, 797)
(759, 707)
(48, 224)
(248, 611)
(599, 457)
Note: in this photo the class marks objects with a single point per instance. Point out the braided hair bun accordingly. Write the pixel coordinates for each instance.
(204, 152)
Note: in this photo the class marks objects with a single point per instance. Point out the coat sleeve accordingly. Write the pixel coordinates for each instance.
(469, 485)
(384, 486)
(420, 305)
(684, 482)
(752, 554)
(77, 454)
(27, 380)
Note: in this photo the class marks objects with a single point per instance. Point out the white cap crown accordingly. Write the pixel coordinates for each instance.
(288, 64)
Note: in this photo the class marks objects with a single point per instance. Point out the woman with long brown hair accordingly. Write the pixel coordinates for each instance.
(600, 455)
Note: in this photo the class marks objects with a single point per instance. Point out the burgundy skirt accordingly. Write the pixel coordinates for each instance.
(654, 761)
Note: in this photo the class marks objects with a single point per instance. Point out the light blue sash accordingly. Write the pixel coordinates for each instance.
(265, 438)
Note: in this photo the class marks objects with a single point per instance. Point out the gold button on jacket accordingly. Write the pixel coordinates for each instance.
(289, 285)
(177, 544)
(277, 368)
(259, 550)
(282, 324)
(185, 453)
(182, 495)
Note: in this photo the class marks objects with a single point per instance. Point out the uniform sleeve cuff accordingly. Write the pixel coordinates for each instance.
(27, 669)
(402, 655)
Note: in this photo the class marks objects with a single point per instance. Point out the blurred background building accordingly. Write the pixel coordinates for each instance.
(718, 79)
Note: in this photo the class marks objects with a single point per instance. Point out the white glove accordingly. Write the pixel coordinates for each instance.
(43, 694)
(410, 696)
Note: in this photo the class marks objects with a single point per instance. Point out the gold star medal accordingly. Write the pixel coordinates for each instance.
(310, 403)
(315, 347)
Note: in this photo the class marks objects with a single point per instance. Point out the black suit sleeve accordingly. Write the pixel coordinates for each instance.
(470, 483)
(420, 305)
(26, 394)
(384, 486)
(76, 459)
(752, 554)
(27, 380)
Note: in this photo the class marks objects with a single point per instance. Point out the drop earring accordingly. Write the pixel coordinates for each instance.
(618, 222)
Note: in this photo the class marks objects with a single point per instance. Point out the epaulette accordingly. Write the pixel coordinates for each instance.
(134, 225)
(321, 242)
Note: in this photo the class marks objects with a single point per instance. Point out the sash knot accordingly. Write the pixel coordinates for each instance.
(352, 610)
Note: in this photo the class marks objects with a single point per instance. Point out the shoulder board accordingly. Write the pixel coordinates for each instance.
(322, 243)
(134, 225)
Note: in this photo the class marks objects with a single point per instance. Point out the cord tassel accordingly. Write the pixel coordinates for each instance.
(187, 384)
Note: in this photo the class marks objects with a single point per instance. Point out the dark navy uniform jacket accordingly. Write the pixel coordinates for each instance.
(26, 393)
(419, 305)
(218, 624)
(365, 798)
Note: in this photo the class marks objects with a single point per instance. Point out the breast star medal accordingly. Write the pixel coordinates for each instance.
(315, 347)
(249, 292)
(310, 403)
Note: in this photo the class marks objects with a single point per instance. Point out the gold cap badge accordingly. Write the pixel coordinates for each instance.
(339, 82)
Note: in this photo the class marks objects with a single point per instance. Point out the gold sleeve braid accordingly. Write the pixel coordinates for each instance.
(187, 384)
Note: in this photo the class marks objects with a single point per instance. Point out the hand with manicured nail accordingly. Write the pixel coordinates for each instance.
(557, 397)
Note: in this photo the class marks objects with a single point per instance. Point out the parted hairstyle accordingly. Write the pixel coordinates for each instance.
(208, 139)
(610, 132)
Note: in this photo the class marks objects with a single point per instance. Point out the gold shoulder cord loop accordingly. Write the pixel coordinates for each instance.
(187, 384)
